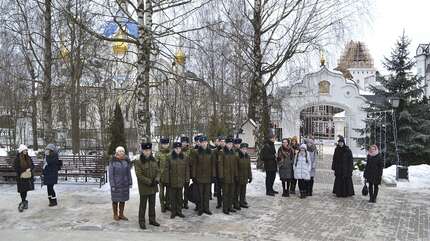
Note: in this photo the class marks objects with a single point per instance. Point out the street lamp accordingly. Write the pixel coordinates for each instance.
(401, 170)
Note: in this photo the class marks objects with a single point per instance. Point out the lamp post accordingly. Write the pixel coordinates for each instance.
(401, 168)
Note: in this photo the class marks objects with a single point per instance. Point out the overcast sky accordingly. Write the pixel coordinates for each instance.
(389, 19)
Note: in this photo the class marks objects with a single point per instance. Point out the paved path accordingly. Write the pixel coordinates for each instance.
(398, 215)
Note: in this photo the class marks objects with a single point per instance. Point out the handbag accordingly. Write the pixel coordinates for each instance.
(26, 174)
(365, 190)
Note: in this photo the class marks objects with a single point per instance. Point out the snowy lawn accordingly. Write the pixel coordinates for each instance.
(419, 177)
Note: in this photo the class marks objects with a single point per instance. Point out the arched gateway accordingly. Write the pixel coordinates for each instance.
(324, 105)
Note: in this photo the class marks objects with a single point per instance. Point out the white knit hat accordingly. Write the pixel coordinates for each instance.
(303, 146)
(119, 148)
(22, 148)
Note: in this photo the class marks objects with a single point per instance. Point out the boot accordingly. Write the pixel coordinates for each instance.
(21, 207)
(285, 193)
(154, 223)
(54, 202)
(186, 205)
(172, 216)
(115, 211)
(142, 225)
(302, 195)
(121, 211)
(51, 202)
(25, 204)
(244, 205)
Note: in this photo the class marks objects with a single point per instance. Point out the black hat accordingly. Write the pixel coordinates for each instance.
(177, 144)
(146, 146)
(203, 138)
(228, 140)
(221, 138)
(185, 139)
(341, 139)
(164, 141)
(197, 138)
(237, 141)
(244, 145)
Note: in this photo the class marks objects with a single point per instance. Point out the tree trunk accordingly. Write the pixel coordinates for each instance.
(144, 14)
(34, 112)
(47, 98)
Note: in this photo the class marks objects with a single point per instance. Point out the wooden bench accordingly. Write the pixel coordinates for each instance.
(7, 168)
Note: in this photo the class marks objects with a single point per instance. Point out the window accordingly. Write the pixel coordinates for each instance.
(324, 87)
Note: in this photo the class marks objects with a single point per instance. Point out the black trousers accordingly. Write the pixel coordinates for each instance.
(51, 191)
(186, 192)
(270, 179)
(219, 192)
(23, 196)
(303, 185)
(311, 186)
(144, 199)
(242, 194)
(373, 191)
(287, 185)
(293, 185)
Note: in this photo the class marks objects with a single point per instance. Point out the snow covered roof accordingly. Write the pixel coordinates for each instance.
(250, 121)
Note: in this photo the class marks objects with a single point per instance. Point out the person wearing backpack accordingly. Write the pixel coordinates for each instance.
(302, 170)
(50, 172)
(373, 171)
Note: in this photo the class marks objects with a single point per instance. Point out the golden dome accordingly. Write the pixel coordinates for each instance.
(120, 48)
(180, 57)
(64, 52)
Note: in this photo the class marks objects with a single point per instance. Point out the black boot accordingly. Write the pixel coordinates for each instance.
(285, 193)
(25, 204)
(21, 207)
(302, 195)
(154, 223)
(142, 225)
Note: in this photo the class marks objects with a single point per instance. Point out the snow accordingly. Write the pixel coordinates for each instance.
(340, 115)
(419, 177)
(3, 152)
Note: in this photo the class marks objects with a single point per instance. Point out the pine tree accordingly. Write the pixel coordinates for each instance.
(117, 134)
(411, 121)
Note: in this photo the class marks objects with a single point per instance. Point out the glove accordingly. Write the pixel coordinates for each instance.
(250, 180)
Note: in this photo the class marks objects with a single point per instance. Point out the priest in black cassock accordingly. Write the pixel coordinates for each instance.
(342, 166)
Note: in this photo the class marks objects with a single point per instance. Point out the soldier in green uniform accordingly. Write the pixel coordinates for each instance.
(236, 148)
(218, 185)
(186, 150)
(203, 171)
(161, 158)
(245, 173)
(148, 177)
(227, 172)
(177, 171)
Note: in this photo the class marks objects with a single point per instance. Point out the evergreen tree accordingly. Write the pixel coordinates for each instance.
(117, 134)
(411, 121)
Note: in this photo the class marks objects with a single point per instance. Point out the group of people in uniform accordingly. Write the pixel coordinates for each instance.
(180, 171)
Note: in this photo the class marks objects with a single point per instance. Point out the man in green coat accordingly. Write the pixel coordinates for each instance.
(218, 185)
(203, 165)
(245, 173)
(186, 150)
(177, 172)
(227, 174)
(148, 177)
(161, 158)
(236, 149)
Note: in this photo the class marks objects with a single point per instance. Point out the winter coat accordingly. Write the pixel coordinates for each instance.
(228, 164)
(302, 167)
(203, 165)
(177, 170)
(285, 163)
(50, 169)
(313, 158)
(161, 158)
(148, 175)
(245, 173)
(120, 179)
(187, 152)
(373, 169)
(342, 162)
(24, 184)
(268, 156)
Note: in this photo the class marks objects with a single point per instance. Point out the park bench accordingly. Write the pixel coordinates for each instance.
(7, 169)
(83, 166)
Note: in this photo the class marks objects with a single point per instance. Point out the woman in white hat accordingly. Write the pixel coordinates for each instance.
(24, 175)
(302, 169)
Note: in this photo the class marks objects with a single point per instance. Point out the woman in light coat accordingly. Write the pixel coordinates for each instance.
(313, 153)
(120, 182)
(302, 169)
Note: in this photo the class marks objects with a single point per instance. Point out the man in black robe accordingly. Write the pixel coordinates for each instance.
(342, 166)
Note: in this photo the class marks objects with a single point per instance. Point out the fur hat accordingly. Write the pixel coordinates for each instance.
(197, 138)
(177, 144)
(164, 141)
(303, 146)
(146, 146)
(228, 140)
(221, 138)
(185, 139)
(203, 138)
(22, 148)
(118, 149)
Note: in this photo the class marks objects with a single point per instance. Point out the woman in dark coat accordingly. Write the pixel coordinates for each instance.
(342, 166)
(120, 182)
(268, 156)
(285, 164)
(24, 175)
(373, 171)
(50, 172)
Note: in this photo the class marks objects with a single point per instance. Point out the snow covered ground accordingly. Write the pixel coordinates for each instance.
(419, 177)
